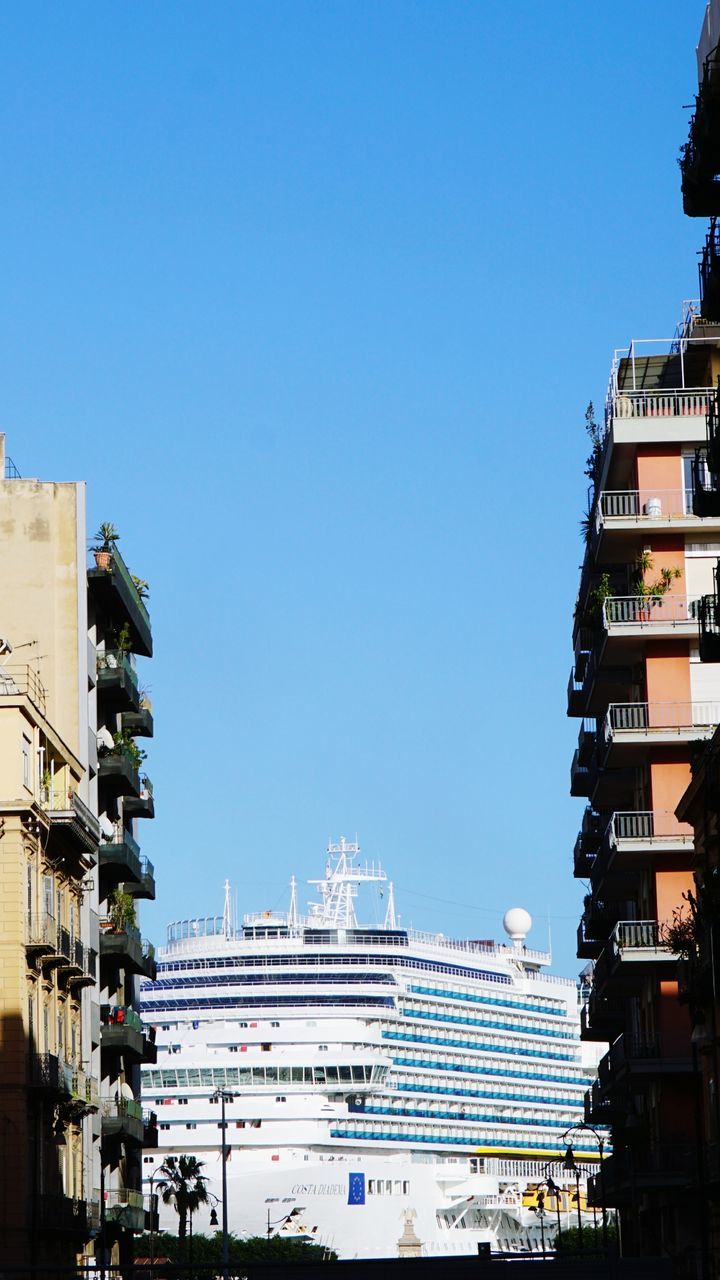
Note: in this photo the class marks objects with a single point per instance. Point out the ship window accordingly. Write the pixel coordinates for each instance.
(345, 1074)
(322, 1048)
(380, 1187)
(308, 1075)
(164, 1126)
(266, 1048)
(274, 1024)
(271, 1075)
(284, 1073)
(320, 1075)
(332, 1075)
(182, 1102)
(297, 1075)
(388, 1186)
(233, 1048)
(242, 1024)
(371, 1187)
(281, 1098)
(397, 1188)
(191, 1126)
(358, 1074)
(406, 1188)
(239, 1124)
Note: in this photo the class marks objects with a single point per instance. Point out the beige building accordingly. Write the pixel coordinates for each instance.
(71, 1123)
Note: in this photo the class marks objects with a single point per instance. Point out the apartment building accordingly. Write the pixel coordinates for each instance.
(71, 1122)
(645, 702)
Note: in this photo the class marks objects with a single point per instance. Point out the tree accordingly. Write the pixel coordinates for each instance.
(184, 1186)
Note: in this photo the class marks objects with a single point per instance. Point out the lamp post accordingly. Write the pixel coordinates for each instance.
(539, 1209)
(222, 1095)
(151, 1180)
(570, 1164)
(554, 1190)
(588, 1128)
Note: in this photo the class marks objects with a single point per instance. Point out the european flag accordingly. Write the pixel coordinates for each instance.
(356, 1188)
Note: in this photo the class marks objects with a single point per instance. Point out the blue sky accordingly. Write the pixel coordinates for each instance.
(314, 296)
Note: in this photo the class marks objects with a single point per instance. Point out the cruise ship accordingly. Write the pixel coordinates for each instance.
(387, 1092)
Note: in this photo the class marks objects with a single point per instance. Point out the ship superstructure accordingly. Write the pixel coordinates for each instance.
(383, 1079)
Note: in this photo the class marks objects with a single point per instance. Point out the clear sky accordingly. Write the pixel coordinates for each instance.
(314, 295)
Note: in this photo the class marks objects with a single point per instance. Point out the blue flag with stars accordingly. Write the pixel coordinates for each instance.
(356, 1188)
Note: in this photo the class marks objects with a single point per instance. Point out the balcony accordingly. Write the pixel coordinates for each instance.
(709, 612)
(126, 1209)
(78, 964)
(123, 946)
(632, 617)
(141, 804)
(643, 1059)
(710, 274)
(62, 1215)
(583, 770)
(633, 947)
(117, 682)
(122, 1121)
(700, 157)
(145, 886)
(119, 859)
(138, 723)
(118, 775)
(49, 1074)
(706, 490)
(123, 1032)
(41, 933)
(666, 1167)
(150, 1123)
(18, 680)
(588, 841)
(632, 725)
(73, 829)
(115, 592)
(623, 512)
(600, 1019)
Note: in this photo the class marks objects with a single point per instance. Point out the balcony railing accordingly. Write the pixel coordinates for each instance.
(680, 403)
(640, 935)
(41, 932)
(654, 611)
(659, 717)
(658, 824)
(16, 680)
(643, 505)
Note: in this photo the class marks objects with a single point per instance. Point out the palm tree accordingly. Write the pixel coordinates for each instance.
(184, 1186)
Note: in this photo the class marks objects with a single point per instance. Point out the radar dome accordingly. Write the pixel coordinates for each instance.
(517, 922)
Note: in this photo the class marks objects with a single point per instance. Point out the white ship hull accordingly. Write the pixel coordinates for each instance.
(378, 1082)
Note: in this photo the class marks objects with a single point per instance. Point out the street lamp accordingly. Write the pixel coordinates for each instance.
(570, 1165)
(584, 1127)
(222, 1096)
(151, 1180)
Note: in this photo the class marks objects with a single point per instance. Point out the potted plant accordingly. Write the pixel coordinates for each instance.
(121, 911)
(106, 537)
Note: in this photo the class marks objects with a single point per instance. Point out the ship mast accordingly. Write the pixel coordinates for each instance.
(226, 920)
(339, 889)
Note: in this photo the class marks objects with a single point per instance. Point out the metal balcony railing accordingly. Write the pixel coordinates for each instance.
(643, 505)
(41, 931)
(117, 660)
(644, 935)
(680, 403)
(648, 716)
(16, 680)
(658, 824)
(658, 611)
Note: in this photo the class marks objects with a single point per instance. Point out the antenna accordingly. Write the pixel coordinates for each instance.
(292, 913)
(390, 922)
(226, 920)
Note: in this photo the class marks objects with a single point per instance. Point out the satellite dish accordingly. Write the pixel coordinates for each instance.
(126, 1092)
(5, 647)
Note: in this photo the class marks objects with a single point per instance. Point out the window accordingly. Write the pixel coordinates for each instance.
(233, 1048)
(274, 1024)
(266, 1048)
(191, 1126)
(29, 888)
(48, 895)
(406, 1188)
(164, 1126)
(281, 1098)
(322, 1048)
(26, 763)
(242, 1024)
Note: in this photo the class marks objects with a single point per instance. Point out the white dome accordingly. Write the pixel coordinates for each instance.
(517, 922)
